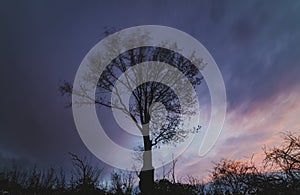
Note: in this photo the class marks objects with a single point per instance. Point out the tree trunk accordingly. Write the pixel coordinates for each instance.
(146, 183)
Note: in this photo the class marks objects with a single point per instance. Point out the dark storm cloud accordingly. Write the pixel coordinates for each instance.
(255, 43)
(259, 52)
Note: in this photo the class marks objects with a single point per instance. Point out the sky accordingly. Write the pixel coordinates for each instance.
(254, 43)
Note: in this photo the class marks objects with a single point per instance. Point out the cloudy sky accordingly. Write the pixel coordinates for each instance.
(255, 44)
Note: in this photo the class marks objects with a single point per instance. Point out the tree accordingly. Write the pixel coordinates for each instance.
(196, 185)
(16, 179)
(147, 90)
(85, 178)
(48, 180)
(122, 182)
(234, 177)
(60, 181)
(286, 158)
(34, 180)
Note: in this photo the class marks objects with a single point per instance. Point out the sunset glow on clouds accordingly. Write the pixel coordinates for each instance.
(246, 132)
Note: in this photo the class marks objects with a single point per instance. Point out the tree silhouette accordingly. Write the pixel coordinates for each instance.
(85, 178)
(286, 158)
(234, 177)
(122, 183)
(147, 90)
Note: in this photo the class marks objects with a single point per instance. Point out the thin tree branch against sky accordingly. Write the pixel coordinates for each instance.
(255, 44)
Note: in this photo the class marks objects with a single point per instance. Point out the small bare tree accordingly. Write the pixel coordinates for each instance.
(60, 181)
(85, 178)
(195, 183)
(48, 180)
(34, 180)
(233, 177)
(122, 182)
(286, 158)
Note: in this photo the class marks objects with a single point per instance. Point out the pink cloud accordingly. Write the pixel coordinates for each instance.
(246, 131)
